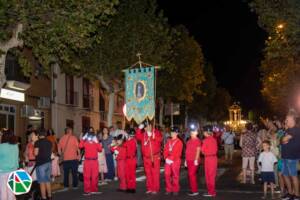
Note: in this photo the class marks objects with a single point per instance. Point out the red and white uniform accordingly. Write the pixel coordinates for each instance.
(190, 155)
(90, 165)
(209, 149)
(121, 165)
(131, 147)
(151, 147)
(172, 155)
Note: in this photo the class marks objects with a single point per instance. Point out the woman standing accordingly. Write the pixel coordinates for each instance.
(9, 162)
(106, 143)
(55, 159)
(29, 153)
(248, 143)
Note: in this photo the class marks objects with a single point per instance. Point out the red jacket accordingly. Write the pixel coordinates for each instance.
(91, 149)
(155, 141)
(131, 147)
(122, 152)
(173, 149)
(209, 146)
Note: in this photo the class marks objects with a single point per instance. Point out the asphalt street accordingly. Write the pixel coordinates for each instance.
(228, 187)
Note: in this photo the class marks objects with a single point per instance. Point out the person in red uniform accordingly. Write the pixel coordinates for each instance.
(91, 146)
(151, 140)
(192, 157)
(172, 156)
(119, 150)
(209, 149)
(130, 168)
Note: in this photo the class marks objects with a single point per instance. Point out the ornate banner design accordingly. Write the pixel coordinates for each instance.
(140, 94)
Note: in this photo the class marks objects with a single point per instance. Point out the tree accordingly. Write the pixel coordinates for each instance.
(138, 27)
(56, 31)
(280, 67)
(200, 107)
(183, 80)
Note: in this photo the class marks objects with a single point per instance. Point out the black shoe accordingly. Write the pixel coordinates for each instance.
(287, 197)
(132, 191)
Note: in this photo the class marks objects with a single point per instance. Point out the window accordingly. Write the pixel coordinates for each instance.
(86, 93)
(70, 123)
(86, 123)
(13, 70)
(70, 90)
(101, 102)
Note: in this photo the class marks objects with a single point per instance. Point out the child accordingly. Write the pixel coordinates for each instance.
(172, 156)
(209, 150)
(192, 156)
(120, 153)
(91, 145)
(267, 160)
(131, 146)
(102, 167)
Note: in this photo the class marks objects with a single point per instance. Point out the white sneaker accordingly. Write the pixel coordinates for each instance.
(208, 195)
(192, 194)
(96, 193)
(148, 192)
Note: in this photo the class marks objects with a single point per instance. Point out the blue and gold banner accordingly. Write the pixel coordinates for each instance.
(140, 94)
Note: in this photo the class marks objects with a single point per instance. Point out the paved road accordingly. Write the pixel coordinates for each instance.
(228, 187)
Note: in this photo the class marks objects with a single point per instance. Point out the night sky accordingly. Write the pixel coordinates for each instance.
(231, 40)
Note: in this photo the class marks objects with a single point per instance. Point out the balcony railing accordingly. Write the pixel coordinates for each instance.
(72, 98)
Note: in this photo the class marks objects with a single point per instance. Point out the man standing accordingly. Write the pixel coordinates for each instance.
(42, 151)
(228, 139)
(290, 153)
(209, 150)
(150, 139)
(68, 148)
(172, 155)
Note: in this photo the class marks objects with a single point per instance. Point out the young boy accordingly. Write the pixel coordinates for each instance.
(192, 156)
(131, 149)
(267, 160)
(120, 152)
(91, 145)
(172, 155)
(209, 150)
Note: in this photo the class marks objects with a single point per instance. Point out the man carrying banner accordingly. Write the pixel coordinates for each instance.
(150, 139)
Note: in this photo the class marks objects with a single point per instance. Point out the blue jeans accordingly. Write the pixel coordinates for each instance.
(289, 167)
(43, 173)
(73, 166)
(110, 167)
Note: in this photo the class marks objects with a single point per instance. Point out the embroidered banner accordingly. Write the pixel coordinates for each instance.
(140, 94)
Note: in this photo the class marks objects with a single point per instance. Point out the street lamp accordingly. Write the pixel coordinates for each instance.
(280, 26)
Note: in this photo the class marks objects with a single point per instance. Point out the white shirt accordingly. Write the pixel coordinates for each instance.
(267, 160)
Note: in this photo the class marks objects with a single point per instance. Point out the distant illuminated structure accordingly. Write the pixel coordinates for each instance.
(235, 117)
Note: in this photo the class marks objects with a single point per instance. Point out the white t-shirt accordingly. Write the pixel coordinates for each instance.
(267, 160)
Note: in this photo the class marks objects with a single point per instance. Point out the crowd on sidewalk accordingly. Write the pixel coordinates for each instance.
(273, 148)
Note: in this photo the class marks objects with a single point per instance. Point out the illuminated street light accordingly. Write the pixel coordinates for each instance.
(280, 26)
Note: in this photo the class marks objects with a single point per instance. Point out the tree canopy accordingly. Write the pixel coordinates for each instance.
(280, 67)
(57, 31)
(184, 78)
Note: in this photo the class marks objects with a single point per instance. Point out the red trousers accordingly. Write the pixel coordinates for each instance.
(152, 171)
(90, 175)
(121, 168)
(172, 176)
(211, 163)
(192, 173)
(130, 173)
